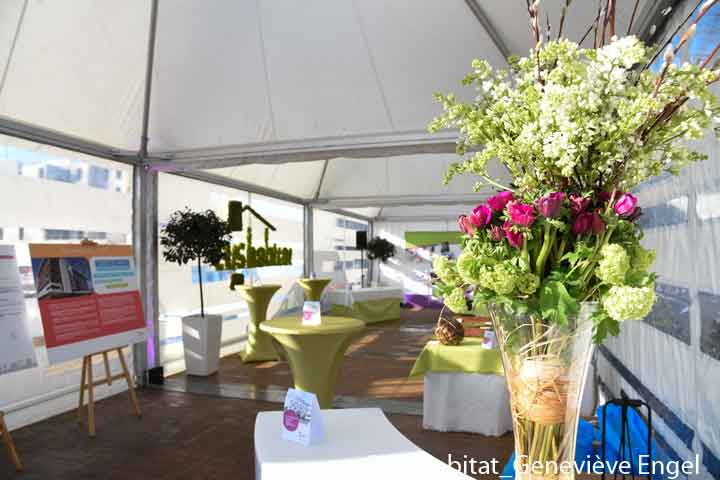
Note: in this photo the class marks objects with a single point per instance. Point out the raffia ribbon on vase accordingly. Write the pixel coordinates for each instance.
(541, 390)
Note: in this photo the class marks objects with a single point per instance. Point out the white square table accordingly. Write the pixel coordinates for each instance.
(359, 443)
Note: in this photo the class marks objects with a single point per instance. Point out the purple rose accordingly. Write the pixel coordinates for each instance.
(626, 204)
(582, 224)
(481, 216)
(603, 197)
(514, 238)
(549, 205)
(597, 226)
(498, 202)
(521, 214)
(578, 204)
(497, 233)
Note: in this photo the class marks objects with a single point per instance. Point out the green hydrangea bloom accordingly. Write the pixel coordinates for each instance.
(486, 278)
(456, 301)
(445, 270)
(629, 303)
(614, 264)
(641, 259)
(469, 268)
(527, 283)
(503, 278)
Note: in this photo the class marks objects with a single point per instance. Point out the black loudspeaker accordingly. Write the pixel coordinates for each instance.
(156, 376)
(361, 239)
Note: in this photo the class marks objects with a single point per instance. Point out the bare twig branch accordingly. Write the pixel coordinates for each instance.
(710, 57)
(611, 14)
(667, 60)
(632, 17)
(562, 18)
(597, 23)
(590, 28)
(689, 33)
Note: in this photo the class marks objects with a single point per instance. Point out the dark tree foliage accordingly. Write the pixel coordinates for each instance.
(195, 236)
(379, 248)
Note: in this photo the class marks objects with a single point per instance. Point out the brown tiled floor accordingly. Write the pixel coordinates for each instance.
(184, 436)
(377, 363)
(208, 436)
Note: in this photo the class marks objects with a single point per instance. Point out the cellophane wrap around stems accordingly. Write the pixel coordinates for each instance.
(545, 366)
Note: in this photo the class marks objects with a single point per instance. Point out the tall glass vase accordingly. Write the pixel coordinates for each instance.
(545, 367)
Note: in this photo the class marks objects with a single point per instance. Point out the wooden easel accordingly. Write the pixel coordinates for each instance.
(88, 384)
(9, 444)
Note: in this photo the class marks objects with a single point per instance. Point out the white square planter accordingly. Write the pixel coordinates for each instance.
(201, 341)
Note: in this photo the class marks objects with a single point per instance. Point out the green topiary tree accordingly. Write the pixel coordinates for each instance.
(381, 249)
(190, 236)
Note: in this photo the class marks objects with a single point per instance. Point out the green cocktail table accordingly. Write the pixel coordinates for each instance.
(259, 347)
(313, 287)
(315, 352)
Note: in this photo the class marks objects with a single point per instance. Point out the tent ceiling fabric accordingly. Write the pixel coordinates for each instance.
(281, 69)
(78, 68)
(232, 76)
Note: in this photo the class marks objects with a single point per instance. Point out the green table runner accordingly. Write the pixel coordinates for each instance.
(468, 357)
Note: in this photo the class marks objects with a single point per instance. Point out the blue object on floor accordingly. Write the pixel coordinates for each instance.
(638, 437)
(583, 449)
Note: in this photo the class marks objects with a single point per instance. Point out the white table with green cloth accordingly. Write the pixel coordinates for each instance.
(371, 304)
(464, 388)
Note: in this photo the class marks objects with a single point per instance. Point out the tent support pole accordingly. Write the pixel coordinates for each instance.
(145, 227)
(308, 240)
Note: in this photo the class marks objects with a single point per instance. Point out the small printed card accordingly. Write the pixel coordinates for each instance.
(302, 419)
(489, 340)
(311, 313)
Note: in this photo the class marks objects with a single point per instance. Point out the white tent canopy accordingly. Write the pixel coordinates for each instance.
(333, 95)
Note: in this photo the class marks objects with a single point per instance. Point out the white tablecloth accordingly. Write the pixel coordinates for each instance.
(466, 402)
(359, 444)
(344, 296)
(478, 403)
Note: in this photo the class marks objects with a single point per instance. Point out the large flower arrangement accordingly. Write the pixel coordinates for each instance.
(555, 254)
(576, 129)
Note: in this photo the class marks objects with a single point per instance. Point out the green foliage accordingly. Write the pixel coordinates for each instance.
(190, 235)
(556, 304)
(195, 236)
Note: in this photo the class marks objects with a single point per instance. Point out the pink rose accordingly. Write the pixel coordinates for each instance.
(481, 216)
(549, 205)
(497, 233)
(521, 214)
(626, 204)
(465, 225)
(514, 238)
(498, 202)
(582, 224)
(578, 204)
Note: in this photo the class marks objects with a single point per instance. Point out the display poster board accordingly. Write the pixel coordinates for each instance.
(16, 348)
(88, 298)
